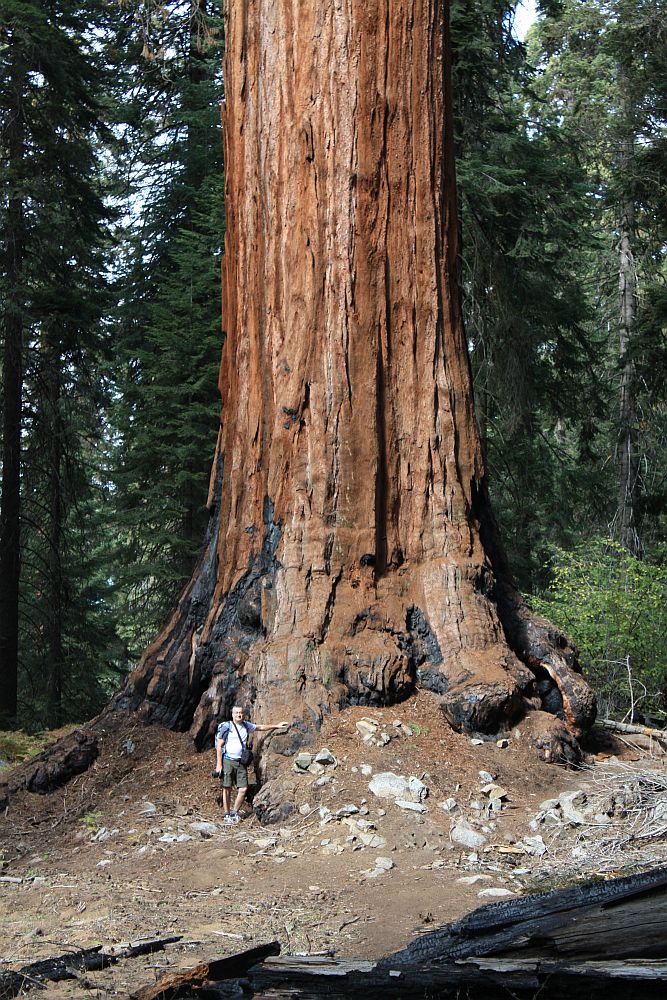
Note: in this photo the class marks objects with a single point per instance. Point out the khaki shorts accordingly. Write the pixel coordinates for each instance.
(234, 773)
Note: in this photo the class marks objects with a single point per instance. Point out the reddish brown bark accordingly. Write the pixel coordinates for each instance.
(351, 552)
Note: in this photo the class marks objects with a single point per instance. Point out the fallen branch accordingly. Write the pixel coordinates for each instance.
(626, 727)
(72, 965)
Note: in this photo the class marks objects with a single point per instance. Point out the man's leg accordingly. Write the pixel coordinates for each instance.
(240, 798)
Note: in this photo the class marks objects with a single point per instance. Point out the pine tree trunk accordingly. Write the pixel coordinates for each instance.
(12, 387)
(627, 452)
(351, 554)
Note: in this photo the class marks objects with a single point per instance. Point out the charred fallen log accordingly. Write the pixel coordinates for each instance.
(590, 941)
(73, 965)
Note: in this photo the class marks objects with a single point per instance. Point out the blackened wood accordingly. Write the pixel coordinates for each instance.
(70, 966)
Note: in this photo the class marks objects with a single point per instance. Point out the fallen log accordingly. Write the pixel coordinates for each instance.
(587, 942)
(73, 964)
(633, 728)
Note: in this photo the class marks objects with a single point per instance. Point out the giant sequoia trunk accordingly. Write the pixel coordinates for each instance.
(351, 553)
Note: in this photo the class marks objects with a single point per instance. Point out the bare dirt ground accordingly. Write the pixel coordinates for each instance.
(100, 861)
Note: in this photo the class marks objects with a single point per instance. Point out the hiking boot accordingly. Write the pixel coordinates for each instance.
(233, 817)
(227, 818)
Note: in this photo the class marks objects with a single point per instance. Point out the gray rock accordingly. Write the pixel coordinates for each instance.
(548, 804)
(325, 757)
(302, 761)
(372, 840)
(411, 806)
(495, 891)
(205, 829)
(568, 802)
(486, 778)
(367, 728)
(534, 846)
(417, 790)
(448, 805)
(148, 809)
(347, 810)
(385, 863)
(316, 769)
(464, 834)
(387, 785)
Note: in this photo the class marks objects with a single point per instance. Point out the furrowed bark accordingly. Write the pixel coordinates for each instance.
(351, 554)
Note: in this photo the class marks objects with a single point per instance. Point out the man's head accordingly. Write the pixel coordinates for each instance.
(237, 714)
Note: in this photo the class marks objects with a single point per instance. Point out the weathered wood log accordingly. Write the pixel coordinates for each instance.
(70, 966)
(189, 981)
(633, 728)
(622, 918)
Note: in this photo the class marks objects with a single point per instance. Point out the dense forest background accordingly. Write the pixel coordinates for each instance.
(111, 231)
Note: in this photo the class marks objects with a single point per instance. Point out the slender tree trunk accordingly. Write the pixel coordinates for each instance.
(351, 555)
(55, 582)
(627, 450)
(12, 386)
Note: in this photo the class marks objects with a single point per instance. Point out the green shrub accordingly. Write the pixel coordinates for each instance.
(615, 609)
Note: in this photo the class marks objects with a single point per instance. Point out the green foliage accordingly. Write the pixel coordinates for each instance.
(166, 414)
(615, 608)
(17, 745)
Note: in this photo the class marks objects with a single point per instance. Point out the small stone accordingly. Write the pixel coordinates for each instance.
(347, 810)
(103, 863)
(602, 819)
(472, 879)
(397, 723)
(325, 814)
(367, 728)
(383, 739)
(325, 757)
(323, 843)
(168, 838)
(477, 805)
(464, 834)
(316, 769)
(411, 806)
(148, 809)
(495, 891)
(385, 863)
(364, 824)
(548, 804)
(366, 770)
(477, 743)
(568, 802)
(372, 840)
(302, 761)
(183, 838)
(381, 812)
(486, 778)
(496, 805)
(417, 790)
(204, 828)
(534, 846)
(448, 805)
(502, 744)
(321, 782)
(387, 785)
(304, 809)
(495, 791)
(264, 843)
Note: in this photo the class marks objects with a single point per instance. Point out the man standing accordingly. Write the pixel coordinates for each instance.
(231, 759)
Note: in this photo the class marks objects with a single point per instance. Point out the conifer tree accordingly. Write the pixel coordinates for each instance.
(169, 319)
(52, 225)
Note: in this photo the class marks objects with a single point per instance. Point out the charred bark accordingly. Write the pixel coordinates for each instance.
(351, 554)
